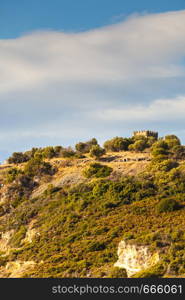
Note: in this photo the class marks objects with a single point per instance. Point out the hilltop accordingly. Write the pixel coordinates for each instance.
(82, 212)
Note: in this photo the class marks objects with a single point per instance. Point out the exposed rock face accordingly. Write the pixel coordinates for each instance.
(134, 258)
(30, 233)
(4, 240)
(15, 269)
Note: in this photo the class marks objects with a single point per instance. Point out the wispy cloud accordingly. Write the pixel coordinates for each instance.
(159, 110)
(60, 82)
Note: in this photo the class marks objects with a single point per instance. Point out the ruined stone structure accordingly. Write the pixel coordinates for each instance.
(146, 133)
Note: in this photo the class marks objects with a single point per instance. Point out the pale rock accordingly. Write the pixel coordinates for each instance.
(135, 258)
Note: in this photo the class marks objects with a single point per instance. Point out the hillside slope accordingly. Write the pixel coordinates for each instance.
(63, 223)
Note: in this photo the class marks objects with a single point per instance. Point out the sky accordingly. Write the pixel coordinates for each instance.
(72, 70)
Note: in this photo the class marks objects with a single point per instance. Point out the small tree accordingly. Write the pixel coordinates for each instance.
(36, 167)
(31, 153)
(58, 150)
(96, 151)
(172, 141)
(85, 147)
(160, 150)
(17, 158)
(178, 152)
(81, 147)
(139, 145)
(97, 170)
(48, 152)
(167, 205)
(67, 152)
(117, 144)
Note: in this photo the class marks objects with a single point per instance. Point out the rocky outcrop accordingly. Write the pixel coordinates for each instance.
(135, 258)
(16, 269)
(4, 241)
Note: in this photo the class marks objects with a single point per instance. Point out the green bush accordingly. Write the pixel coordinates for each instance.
(67, 152)
(36, 167)
(172, 141)
(178, 152)
(79, 155)
(17, 158)
(96, 246)
(31, 153)
(167, 205)
(51, 189)
(48, 152)
(139, 145)
(58, 150)
(164, 165)
(117, 144)
(96, 151)
(12, 174)
(117, 273)
(18, 236)
(85, 147)
(100, 188)
(160, 149)
(97, 170)
(153, 272)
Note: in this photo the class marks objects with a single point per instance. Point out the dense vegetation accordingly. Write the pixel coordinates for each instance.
(79, 226)
(169, 146)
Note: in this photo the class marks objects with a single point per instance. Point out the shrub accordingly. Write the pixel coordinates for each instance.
(117, 144)
(96, 151)
(79, 155)
(48, 152)
(57, 150)
(172, 141)
(15, 202)
(178, 152)
(12, 175)
(18, 236)
(67, 152)
(139, 145)
(100, 188)
(160, 149)
(153, 272)
(17, 158)
(51, 189)
(96, 246)
(164, 165)
(167, 205)
(97, 170)
(117, 273)
(31, 153)
(85, 147)
(36, 167)
(81, 147)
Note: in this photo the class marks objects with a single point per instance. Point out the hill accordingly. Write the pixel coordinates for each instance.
(66, 213)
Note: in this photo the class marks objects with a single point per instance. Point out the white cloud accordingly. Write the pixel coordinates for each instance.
(140, 47)
(159, 110)
(55, 84)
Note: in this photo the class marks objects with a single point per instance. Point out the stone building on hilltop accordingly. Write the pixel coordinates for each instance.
(146, 133)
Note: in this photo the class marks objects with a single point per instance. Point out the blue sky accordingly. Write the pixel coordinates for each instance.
(21, 16)
(72, 70)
